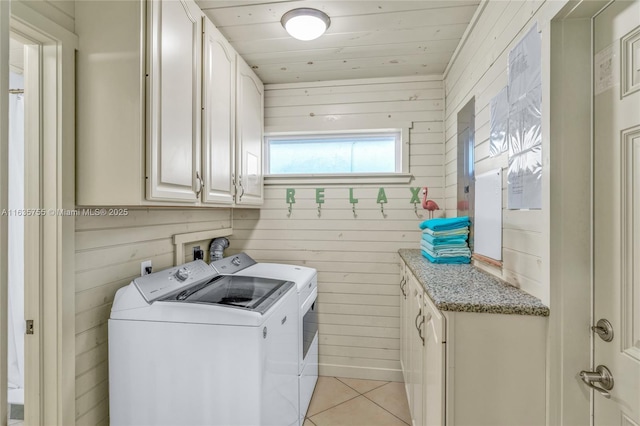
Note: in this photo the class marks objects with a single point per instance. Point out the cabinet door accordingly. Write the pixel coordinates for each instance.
(173, 100)
(417, 346)
(218, 116)
(434, 365)
(249, 126)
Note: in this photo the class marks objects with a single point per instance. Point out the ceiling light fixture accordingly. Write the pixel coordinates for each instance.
(305, 23)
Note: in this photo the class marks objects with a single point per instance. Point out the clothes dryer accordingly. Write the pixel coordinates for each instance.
(306, 280)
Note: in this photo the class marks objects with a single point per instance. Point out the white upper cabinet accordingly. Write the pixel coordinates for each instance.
(173, 100)
(249, 132)
(110, 107)
(218, 117)
(167, 113)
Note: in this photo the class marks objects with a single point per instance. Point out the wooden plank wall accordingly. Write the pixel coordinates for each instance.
(356, 258)
(108, 255)
(480, 70)
(62, 12)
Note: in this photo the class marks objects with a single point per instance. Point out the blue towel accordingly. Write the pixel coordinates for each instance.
(436, 241)
(445, 252)
(451, 233)
(442, 224)
(455, 260)
(443, 247)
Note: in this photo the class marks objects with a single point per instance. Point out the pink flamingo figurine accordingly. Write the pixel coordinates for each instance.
(428, 204)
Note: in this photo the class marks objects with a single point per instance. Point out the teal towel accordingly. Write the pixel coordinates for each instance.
(441, 248)
(445, 252)
(453, 260)
(445, 224)
(451, 233)
(436, 241)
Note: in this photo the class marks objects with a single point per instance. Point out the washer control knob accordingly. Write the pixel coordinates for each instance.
(236, 261)
(181, 274)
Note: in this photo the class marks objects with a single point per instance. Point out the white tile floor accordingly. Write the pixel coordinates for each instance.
(340, 401)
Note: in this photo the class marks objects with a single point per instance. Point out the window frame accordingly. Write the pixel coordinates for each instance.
(402, 160)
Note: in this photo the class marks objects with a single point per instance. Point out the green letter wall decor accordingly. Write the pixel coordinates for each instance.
(415, 195)
(351, 199)
(320, 195)
(382, 197)
(291, 196)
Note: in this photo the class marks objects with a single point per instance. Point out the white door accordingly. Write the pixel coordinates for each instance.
(218, 116)
(617, 208)
(249, 135)
(173, 102)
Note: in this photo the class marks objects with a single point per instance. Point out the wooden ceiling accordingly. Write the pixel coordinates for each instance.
(366, 38)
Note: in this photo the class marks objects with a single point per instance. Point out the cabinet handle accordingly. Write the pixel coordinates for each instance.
(241, 187)
(420, 327)
(233, 185)
(200, 183)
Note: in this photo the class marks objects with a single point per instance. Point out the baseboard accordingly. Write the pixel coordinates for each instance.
(366, 373)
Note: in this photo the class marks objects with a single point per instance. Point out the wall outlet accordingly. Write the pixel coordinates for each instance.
(145, 268)
(197, 253)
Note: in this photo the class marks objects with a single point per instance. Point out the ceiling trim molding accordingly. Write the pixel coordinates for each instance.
(353, 82)
(465, 36)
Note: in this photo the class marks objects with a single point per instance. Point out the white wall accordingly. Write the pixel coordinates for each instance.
(545, 252)
(356, 258)
(108, 255)
(480, 71)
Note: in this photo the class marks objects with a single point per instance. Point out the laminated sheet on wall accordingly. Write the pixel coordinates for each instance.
(524, 138)
(499, 123)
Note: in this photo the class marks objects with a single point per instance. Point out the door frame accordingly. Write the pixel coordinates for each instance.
(569, 101)
(55, 332)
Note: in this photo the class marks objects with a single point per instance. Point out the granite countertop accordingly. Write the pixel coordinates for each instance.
(465, 288)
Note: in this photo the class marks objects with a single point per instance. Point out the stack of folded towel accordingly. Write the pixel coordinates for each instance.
(445, 240)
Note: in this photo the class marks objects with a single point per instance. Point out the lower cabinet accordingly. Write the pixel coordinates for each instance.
(468, 368)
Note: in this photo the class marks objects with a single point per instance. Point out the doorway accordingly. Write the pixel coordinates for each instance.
(48, 237)
(588, 206)
(15, 311)
(23, 217)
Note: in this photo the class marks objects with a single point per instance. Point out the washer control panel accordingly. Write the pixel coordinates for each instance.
(159, 284)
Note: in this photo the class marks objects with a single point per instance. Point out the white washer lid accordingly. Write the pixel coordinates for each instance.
(192, 313)
(301, 275)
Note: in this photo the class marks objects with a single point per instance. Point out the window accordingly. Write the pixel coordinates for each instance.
(331, 154)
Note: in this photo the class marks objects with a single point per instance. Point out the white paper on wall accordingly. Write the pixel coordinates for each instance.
(499, 123)
(487, 225)
(524, 136)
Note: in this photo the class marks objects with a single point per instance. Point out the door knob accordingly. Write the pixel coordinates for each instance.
(603, 376)
(603, 329)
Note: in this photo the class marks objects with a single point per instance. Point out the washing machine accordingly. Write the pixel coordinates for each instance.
(306, 280)
(189, 346)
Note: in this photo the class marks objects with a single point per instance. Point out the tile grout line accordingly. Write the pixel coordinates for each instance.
(327, 409)
(384, 384)
(359, 394)
(385, 409)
